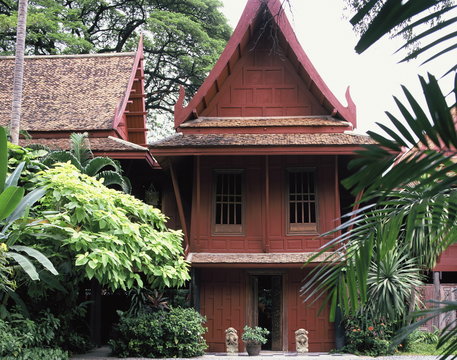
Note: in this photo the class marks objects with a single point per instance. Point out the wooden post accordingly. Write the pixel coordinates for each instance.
(182, 218)
(266, 241)
(436, 294)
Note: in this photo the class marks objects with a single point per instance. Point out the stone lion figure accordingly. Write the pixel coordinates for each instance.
(231, 340)
(301, 340)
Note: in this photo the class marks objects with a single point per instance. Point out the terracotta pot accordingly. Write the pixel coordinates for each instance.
(253, 349)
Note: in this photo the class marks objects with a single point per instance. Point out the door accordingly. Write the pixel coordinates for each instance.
(266, 308)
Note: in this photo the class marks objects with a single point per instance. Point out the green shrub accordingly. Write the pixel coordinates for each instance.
(420, 337)
(174, 333)
(39, 354)
(18, 334)
(367, 337)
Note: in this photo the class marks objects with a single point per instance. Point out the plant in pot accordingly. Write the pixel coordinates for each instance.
(254, 337)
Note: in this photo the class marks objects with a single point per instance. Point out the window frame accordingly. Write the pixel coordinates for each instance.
(301, 228)
(228, 229)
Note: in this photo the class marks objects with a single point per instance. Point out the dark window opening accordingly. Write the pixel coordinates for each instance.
(228, 204)
(302, 201)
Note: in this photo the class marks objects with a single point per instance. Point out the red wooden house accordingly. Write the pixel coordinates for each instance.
(256, 166)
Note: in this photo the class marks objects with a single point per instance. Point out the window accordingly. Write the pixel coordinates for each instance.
(301, 201)
(228, 202)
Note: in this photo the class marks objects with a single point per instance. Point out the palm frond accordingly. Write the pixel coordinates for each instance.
(111, 178)
(79, 147)
(393, 12)
(97, 164)
(61, 156)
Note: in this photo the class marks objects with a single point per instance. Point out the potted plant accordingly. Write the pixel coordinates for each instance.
(254, 337)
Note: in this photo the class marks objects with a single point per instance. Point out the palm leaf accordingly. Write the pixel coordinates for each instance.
(37, 255)
(25, 264)
(61, 156)
(390, 15)
(79, 148)
(394, 12)
(111, 178)
(97, 164)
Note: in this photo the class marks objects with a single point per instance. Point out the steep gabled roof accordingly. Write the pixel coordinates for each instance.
(76, 93)
(253, 14)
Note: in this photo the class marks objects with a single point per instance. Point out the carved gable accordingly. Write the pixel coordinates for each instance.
(264, 83)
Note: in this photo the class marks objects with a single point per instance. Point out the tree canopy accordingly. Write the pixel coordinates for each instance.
(182, 39)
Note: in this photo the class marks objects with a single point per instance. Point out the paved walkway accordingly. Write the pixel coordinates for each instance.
(103, 354)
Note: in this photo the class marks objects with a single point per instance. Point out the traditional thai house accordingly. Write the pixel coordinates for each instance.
(256, 166)
(101, 94)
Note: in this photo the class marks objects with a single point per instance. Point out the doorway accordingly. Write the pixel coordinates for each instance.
(267, 308)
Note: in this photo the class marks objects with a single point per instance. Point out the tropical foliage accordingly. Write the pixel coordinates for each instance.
(408, 203)
(13, 207)
(182, 39)
(83, 159)
(112, 236)
(174, 333)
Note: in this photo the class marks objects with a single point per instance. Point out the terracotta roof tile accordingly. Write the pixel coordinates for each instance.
(73, 93)
(311, 121)
(96, 144)
(234, 140)
(256, 258)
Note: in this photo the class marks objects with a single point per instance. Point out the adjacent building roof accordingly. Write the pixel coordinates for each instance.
(68, 92)
(109, 143)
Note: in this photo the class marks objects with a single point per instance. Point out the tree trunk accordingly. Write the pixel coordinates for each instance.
(18, 72)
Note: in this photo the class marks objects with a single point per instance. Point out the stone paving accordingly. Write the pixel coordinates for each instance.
(103, 354)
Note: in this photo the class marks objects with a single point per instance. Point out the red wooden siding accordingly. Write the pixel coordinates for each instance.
(321, 331)
(448, 260)
(255, 215)
(223, 302)
(264, 83)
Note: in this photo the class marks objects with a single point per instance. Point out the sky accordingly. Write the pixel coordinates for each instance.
(328, 40)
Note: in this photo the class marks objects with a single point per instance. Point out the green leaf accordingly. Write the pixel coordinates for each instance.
(25, 264)
(14, 177)
(9, 200)
(37, 255)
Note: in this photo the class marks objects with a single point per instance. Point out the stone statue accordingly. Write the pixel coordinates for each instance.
(301, 341)
(231, 340)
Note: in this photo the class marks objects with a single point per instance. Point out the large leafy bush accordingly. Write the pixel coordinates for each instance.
(177, 333)
(113, 237)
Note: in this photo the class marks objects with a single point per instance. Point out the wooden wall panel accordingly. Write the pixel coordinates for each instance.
(223, 302)
(203, 239)
(300, 315)
(447, 260)
(264, 83)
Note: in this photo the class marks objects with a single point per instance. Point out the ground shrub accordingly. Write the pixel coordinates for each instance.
(367, 337)
(39, 354)
(421, 342)
(23, 338)
(174, 333)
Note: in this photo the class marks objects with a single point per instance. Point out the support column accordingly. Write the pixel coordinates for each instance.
(436, 294)
(182, 218)
(266, 240)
